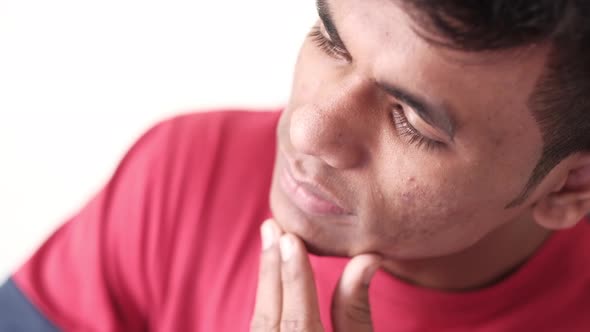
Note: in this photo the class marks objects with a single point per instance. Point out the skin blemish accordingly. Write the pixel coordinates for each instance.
(408, 197)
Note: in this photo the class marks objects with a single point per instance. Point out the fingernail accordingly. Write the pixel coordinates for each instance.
(267, 235)
(369, 273)
(286, 248)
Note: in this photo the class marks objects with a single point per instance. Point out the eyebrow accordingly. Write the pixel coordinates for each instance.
(434, 115)
(326, 16)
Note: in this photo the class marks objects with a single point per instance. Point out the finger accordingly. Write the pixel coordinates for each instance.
(267, 310)
(300, 310)
(351, 310)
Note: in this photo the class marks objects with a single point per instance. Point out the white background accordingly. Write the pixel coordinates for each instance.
(81, 80)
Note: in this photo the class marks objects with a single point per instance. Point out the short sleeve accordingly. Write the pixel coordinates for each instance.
(92, 274)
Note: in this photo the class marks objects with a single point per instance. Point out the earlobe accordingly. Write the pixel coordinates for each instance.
(555, 215)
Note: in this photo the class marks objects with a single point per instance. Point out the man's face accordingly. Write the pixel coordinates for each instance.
(400, 147)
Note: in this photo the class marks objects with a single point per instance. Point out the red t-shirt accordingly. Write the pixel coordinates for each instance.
(172, 244)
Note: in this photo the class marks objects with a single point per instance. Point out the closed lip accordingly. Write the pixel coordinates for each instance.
(311, 196)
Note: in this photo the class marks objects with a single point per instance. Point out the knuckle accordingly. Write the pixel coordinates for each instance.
(300, 325)
(264, 323)
(358, 312)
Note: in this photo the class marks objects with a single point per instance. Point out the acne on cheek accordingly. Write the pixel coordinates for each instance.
(428, 199)
(497, 141)
(408, 198)
(413, 194)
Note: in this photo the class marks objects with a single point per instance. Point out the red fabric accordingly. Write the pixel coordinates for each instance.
(171, 244)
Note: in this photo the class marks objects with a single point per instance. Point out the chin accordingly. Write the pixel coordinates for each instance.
(321, 237)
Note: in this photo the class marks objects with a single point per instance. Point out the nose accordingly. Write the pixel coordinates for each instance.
(335, 131)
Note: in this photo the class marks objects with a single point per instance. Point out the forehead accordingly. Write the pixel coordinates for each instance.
(389, 45)
(398, 21)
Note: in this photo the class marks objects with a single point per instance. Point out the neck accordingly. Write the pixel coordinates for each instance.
(489, 261)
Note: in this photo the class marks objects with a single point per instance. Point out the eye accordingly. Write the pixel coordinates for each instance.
(327, 45)
(410, 133)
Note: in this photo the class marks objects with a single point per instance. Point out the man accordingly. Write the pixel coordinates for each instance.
(443, 143)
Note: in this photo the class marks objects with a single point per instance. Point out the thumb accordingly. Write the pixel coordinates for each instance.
(351, 310)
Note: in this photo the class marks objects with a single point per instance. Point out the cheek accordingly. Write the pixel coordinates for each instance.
(428, 216)
(429, 204)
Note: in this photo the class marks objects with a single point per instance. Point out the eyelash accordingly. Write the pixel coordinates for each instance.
(327, 45)
(411, 134)
(403, 126)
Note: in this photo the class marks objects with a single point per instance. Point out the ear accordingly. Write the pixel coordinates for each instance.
(570, 201)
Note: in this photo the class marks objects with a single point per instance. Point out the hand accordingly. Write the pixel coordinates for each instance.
(286, 298)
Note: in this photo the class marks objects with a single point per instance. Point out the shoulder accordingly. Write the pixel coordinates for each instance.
(217, 164)
(200, 139)
(211, 185)
(192, 187)
(212, 125)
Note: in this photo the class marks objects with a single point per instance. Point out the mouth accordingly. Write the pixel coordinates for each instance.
(310, 197)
